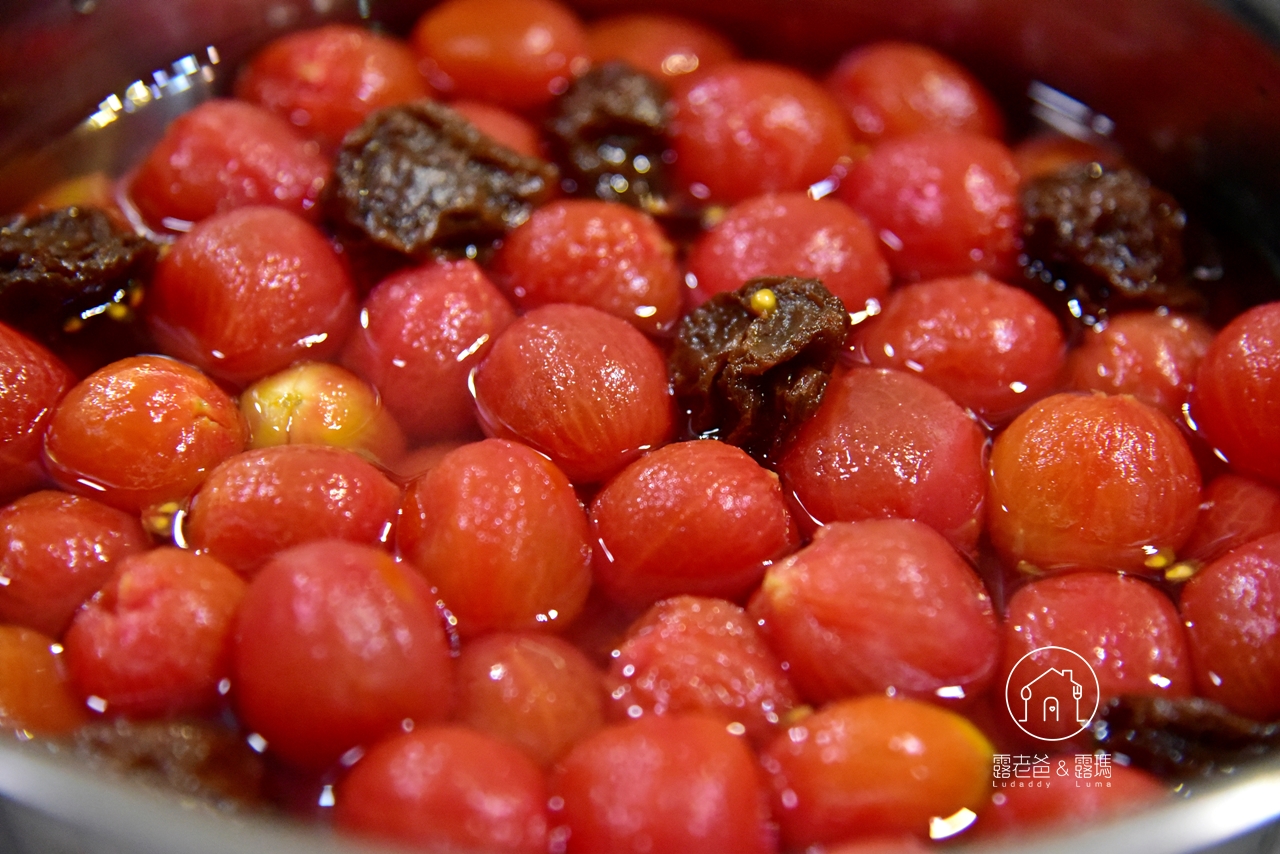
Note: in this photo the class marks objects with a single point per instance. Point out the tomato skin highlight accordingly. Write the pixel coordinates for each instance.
(588, 252)
(993, 347)
(247, 293)
(141, 432)
(35, 693)
(446, 787)
(874, 766)
(746, 128)
(32, 380)
(498, 529)
(791, 234)
(325, 81)
(881, 605)
(422, 331)
(369, 624)
(944, 204)
(226, 154)
(583, 387)
(697, 517)
(888, 444)
(156, 639)
(894, 89)
(677, 783)
(1092, 481)
(1229, 607)
(262, 502)
(56, 550)
(516, 54)
(537, 692)
(1235, 400)
(693, 654)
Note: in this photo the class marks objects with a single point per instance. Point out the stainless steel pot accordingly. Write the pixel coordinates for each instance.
(1191, 90)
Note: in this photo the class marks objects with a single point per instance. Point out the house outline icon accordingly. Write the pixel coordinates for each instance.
(1051, 699)
(1018, 694)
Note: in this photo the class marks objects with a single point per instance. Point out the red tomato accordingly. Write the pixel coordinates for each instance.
(224, 155)
(446, 788)
(746, 128)
(676, 783)
(944, 204)
(141, 432)
(517, 54)
(336, 645)
(247, 293)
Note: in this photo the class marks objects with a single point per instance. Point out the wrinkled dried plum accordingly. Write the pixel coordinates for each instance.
(420, 179)
(608, 133)
(751, 365)
(1187, 737)
(197, 758)
(64, 267)
(1103, 239)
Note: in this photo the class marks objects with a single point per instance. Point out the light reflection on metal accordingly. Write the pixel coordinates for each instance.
(179, 77)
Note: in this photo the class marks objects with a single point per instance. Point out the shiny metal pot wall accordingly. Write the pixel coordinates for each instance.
(1188, 88)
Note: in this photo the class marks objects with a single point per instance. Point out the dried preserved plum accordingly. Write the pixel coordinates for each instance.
(608, 132)
(419, 179)
(64, 267)
(197, 758)
(749, 366)
(1102, 239)
(1186, 737)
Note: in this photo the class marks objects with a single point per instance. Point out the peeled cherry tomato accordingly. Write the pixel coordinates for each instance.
(446, 788)
(874, 766)
(1236, 396)
(993, 347)
(498, 529)
(32, 380)
(678, 783)
(141, 432)
(222, 155)
(1126, 630)
(944, 204)
(887, 443)
(791, 234)
(337, 644)
(696, 654)
(246, 293)
(321, 404)
(1091, 480)
(56, 550)
(34, 693)
(1151, 355)
(421, 333)
(536, 692)
(583, 387)
(516, 53)
(261, 502)
(696, 517)
(156, 640)
(746, 128)
(893, 89)
(1230, 609)
(1234, 510)
(325, 81)
(883, 605)
(664, 46)
(588, 252)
